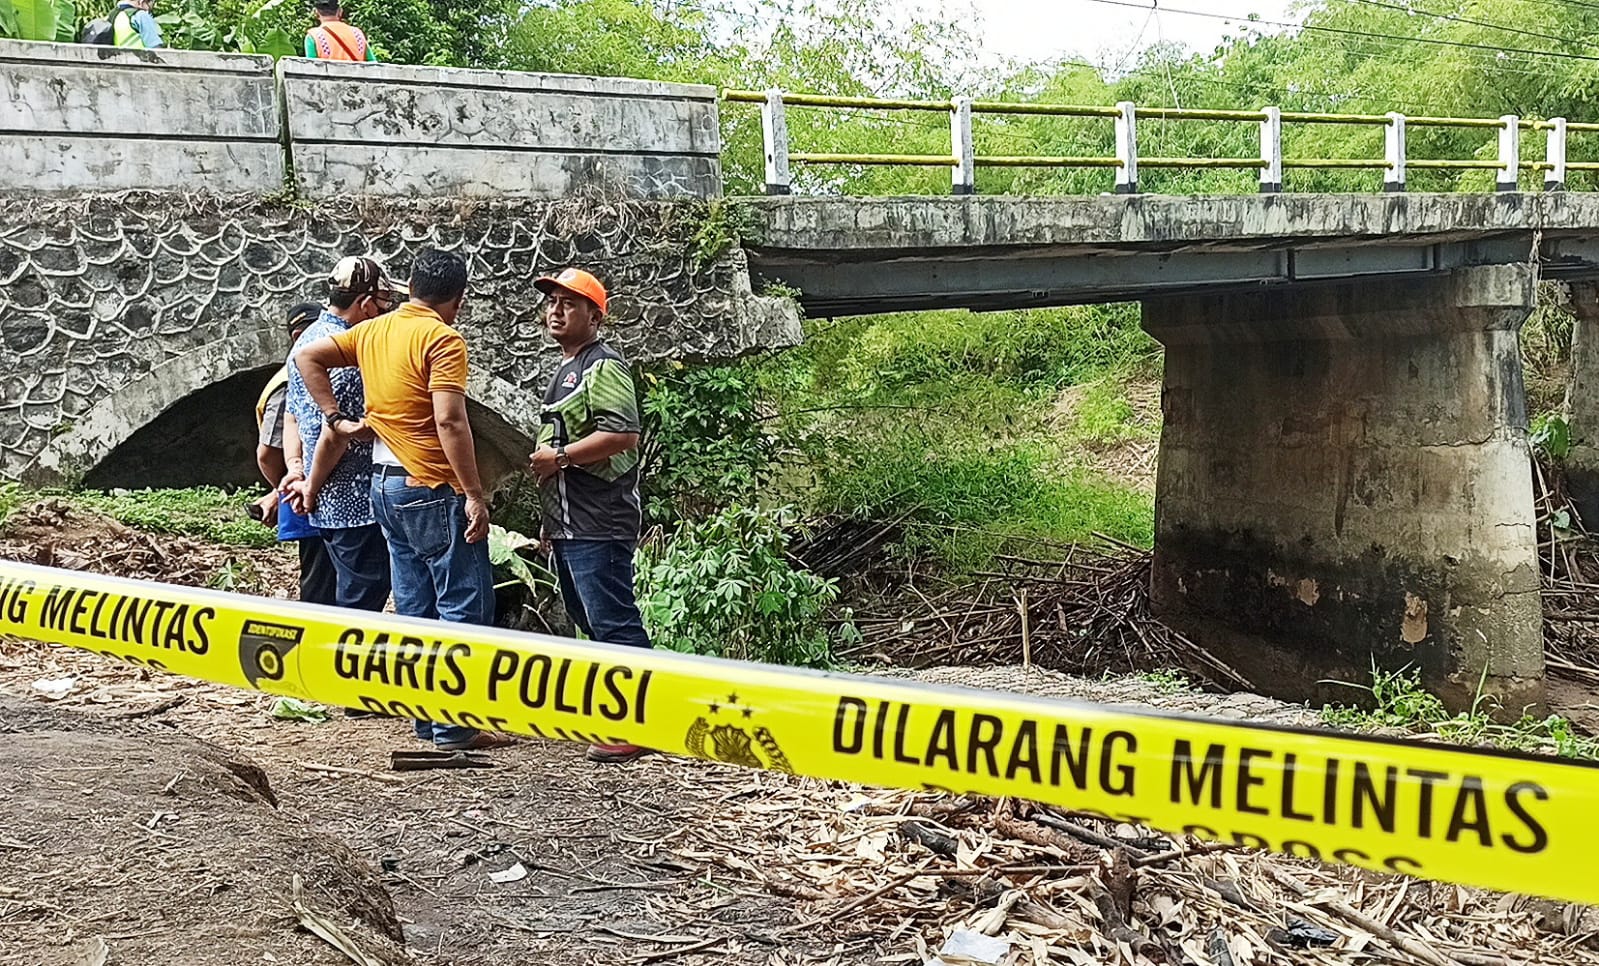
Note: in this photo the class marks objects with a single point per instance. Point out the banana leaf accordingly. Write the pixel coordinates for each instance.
(66, 22)
(36, 19)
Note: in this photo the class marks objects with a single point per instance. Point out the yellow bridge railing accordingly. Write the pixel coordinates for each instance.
(963, 161)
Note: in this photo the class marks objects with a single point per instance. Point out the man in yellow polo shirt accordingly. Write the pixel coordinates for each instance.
(426, 492)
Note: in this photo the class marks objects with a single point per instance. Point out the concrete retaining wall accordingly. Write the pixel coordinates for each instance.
(76, 119)
(438, 132)
(117, 311)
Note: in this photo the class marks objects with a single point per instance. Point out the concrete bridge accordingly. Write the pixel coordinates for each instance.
(1343, 470)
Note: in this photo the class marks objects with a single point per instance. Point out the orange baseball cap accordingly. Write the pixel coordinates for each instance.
(574, 280)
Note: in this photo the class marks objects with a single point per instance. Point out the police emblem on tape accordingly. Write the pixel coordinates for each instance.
(720, 737)
(263, 646)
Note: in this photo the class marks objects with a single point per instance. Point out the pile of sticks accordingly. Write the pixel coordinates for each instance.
(1087, 613)
(1569, 575)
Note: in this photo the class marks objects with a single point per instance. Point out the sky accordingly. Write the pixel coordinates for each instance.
(1102, 32)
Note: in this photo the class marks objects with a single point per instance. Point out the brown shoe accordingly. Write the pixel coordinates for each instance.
(482, 741)
(615, 754)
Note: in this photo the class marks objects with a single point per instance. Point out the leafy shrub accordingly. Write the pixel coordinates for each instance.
(725, 587)
(705, 443)
(1551, 435)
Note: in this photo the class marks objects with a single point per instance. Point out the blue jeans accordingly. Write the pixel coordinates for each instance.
(361, 563)
(437, 574)
(597, 587)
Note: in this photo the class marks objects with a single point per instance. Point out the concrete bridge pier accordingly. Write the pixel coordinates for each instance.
(1582, 402)
(1343, 481)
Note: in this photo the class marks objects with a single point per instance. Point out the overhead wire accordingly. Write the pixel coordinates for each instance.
(1321, 28)
(1456, 18)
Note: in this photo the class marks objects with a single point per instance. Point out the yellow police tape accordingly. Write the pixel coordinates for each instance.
(1505, 821)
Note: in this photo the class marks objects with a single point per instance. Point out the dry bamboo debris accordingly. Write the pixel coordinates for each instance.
(901, 868)
(1087, 613)
(1568, 567)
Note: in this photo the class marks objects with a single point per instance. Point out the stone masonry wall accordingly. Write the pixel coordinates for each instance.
(112, 309)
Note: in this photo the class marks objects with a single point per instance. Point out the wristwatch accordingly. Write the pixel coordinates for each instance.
(561, 459)
(335, 419)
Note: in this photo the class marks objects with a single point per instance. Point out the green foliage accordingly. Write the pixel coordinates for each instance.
(1103, 415)
(1398, 701)
(273, 27)
(236, 576)
(962, 503)
(1038, 348)
(1167, 681)
(204, 512)
(11, 497)
(725, 587)
(939, 420)
(458, 33)
(705, 442)
(52, 20)
(619, 38)
(511, 566)
(1551, 436)
(719, 230)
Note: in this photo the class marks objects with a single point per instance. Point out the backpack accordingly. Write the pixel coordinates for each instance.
(99, 31)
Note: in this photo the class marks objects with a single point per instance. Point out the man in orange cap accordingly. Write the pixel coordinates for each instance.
(587, 465)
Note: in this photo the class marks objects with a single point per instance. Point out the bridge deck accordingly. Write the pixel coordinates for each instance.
(850, 256)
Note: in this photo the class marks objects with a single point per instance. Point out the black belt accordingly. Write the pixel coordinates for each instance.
(389, 469)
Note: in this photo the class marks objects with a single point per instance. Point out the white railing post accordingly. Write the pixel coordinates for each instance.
(1554, 155)
(1126, 149)
(1509, 153)
(1393, 153)
(1271, 150)
(963, 176)
(774, 130)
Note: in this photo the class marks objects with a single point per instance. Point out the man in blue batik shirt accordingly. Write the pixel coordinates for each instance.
(360, 290)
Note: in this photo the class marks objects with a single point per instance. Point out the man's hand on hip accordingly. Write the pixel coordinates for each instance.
(477, 519)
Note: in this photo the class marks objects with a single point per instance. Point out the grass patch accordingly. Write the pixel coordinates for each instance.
(965, 504)
(1399, 701)
(1103, 415)
(202, 512)
(1039, 348)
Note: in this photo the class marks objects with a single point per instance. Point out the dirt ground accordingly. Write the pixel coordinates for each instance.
(150, 819)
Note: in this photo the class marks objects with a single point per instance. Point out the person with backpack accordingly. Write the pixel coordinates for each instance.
(333, 39)
(132, 25)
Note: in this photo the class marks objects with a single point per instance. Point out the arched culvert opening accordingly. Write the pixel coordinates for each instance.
(206, 438)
